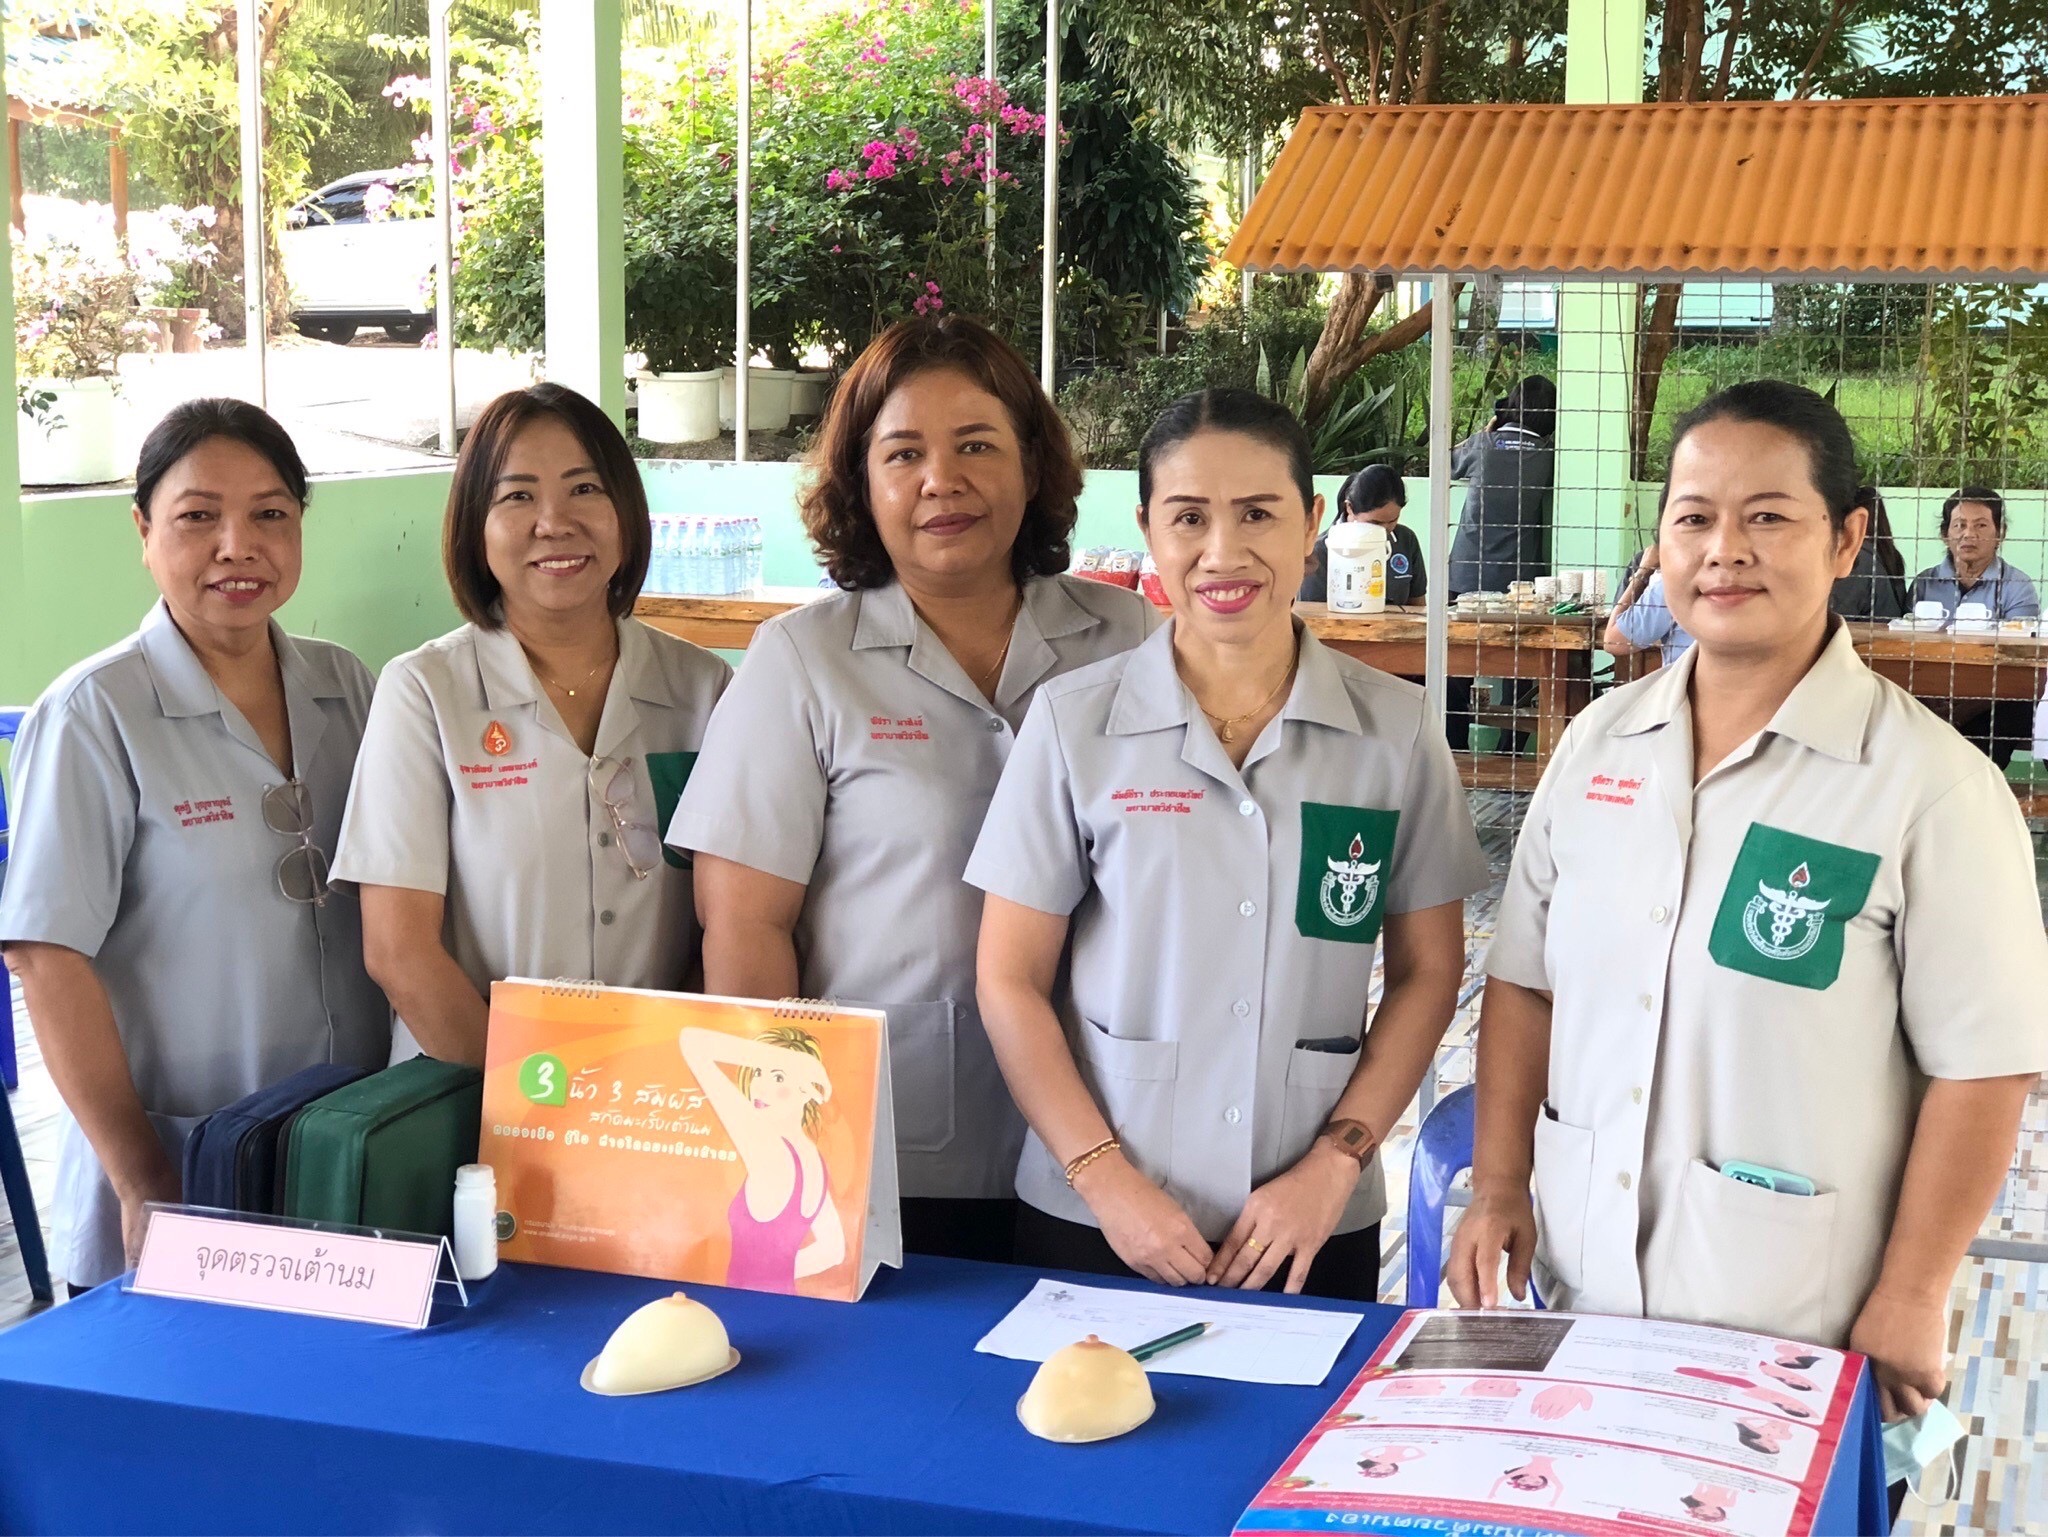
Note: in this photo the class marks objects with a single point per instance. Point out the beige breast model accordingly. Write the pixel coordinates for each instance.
(672, 1343)
(1088, 1391)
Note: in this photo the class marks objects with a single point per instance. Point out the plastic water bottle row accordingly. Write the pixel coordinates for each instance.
(715, 557)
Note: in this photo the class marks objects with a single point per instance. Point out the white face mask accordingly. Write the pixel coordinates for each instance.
(1910, 1445)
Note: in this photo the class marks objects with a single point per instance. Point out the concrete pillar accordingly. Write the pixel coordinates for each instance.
(584, 207)
(1596, 322)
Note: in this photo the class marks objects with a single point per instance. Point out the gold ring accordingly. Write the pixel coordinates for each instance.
(1256, 1245)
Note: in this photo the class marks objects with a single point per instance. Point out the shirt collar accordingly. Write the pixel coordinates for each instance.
(886, 619)
(1151, 697)
(509, 679)
(1946, 571)
(185, 688)
(1828, 710)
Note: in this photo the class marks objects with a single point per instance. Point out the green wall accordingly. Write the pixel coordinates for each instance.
(372, 576)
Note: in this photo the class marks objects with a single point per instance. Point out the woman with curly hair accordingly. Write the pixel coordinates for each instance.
(845, 776)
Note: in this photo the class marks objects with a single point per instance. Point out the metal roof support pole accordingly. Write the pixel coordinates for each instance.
(255, 286)
(1437, 606)
(444, 214)
(583, 201)
(1048, 286)
(743, 335)
(988, 145)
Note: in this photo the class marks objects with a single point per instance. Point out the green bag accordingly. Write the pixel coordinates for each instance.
(383, 1151)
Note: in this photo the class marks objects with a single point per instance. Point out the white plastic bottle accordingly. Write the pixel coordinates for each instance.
(1358, 568)
(476, 1221)
(690, 557)
(667, 536)
(756, 542)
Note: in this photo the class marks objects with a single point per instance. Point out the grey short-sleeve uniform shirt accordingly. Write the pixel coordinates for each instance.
(470, 785)
(1224, 922)
(852, 754)
(1766, 968)
(139, 841)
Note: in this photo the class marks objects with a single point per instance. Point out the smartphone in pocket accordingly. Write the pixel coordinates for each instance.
(1768, 1178)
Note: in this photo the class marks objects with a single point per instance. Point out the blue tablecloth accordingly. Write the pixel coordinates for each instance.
(123, 1413)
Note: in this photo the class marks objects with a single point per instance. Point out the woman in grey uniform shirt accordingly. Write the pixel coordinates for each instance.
(847, 769)
(167, 906)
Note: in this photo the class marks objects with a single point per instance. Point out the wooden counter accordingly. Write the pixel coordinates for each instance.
(1556, 654)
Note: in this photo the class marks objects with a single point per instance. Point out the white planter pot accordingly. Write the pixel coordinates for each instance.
(679, 408)
(74, 444)
(807, 395)
(767, 398)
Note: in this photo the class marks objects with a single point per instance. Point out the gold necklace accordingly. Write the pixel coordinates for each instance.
(580, 682)
(1226, 726)
(987, 679)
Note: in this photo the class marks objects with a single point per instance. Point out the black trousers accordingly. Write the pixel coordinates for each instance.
(1347, 1268)
(2000, 730)
(960, 1228)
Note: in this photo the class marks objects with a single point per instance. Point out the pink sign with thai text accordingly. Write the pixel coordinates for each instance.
(288, 1269)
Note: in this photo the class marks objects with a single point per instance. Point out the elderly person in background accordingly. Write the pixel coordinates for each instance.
(1973, 527)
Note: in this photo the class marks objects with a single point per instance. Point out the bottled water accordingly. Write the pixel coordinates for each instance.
(755, 544)
(690, 557)
(730, 556)
(661, 573)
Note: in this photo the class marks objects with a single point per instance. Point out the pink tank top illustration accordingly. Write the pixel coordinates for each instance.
(764, 1253)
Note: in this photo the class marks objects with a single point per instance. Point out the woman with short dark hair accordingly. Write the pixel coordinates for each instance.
(515, 775)
(178, 799)
(848, 767)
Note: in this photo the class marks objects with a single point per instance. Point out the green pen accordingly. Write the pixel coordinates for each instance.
(1151, 1348)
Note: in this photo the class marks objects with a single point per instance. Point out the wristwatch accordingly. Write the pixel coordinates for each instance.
(1355, 1139)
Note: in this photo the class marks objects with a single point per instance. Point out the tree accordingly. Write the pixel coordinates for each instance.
(1233, 75)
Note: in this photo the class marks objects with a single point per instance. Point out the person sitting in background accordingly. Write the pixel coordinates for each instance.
(1875, 588)
(1374, 494)
(1973, 527)
(1641, 618)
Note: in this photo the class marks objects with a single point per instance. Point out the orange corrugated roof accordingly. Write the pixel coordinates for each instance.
(1941, 189)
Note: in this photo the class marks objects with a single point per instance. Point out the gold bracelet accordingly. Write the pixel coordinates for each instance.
(1076, 1165)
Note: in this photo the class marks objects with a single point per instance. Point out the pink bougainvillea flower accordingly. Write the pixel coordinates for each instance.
(837, 181)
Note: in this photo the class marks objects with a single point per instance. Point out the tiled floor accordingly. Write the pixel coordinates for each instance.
(1999, 1324)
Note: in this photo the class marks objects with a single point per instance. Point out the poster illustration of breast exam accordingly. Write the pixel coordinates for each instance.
(722, 1141)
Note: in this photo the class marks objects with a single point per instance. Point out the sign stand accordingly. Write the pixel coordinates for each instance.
(289, 1265)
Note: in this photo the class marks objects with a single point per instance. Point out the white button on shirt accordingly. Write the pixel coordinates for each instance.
(853, 756)
(139, 841)
(1121, 809)
(471, 785)
(1856, 912)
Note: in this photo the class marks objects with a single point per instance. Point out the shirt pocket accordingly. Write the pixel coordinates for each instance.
(667, 774)
(1564, 1182)
(1744, 1257)
(1316, 1080)
(1133, 1082)
(921, 1068)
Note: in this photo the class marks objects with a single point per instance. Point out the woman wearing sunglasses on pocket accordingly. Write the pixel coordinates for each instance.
(1765, 999)
(177, 799)
(514, 773)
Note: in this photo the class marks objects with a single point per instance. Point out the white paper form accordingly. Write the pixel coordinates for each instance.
(1246, 1341)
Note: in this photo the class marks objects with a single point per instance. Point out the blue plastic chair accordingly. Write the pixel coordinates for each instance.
(21, 1200)
(1443, 1151)
(10, 1069)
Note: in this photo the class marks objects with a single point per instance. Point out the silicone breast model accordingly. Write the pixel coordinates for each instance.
(1089, 1391)
(672, 1343)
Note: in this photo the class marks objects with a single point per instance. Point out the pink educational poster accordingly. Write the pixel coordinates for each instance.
(1560, 1423)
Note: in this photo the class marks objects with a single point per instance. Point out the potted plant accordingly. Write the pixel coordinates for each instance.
(680, 287)
(172, 275)
(74, 315)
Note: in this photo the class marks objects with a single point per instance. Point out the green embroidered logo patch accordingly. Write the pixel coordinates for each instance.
(1344, 855)
(668, 772)
(1787, 906)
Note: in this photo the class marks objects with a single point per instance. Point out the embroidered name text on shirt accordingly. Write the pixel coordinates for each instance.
(1172, 801)
(908, 728)
(1618, 792)
(196, 813)
(496, 776)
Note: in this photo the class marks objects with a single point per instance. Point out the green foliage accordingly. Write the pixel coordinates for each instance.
(74, 313)
(1984, 402)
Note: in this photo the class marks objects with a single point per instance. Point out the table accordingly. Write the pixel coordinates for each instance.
(127, 1413)
(1942, 665)
(1555, 653)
